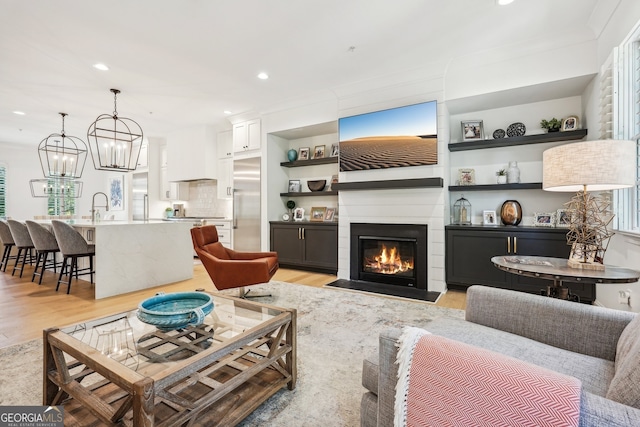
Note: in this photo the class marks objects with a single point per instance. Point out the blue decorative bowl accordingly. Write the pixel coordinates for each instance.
(175, 310)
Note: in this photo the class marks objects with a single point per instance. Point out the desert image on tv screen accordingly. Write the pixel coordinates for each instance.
(398, 137)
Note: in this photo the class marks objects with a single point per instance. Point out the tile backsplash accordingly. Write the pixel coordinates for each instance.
(204, 202)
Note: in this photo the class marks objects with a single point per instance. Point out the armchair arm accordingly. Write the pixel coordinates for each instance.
(581, 328)
(249, 255)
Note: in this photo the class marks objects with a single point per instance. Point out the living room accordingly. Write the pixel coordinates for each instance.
(520, 81)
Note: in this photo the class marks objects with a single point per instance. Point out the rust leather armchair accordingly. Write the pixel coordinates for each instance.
(228, 268)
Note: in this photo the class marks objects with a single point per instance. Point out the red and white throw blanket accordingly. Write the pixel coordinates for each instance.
(442, 382)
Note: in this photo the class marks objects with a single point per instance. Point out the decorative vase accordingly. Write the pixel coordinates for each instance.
(292, 155)
(502, 179)
(513, 173)
(511, 212)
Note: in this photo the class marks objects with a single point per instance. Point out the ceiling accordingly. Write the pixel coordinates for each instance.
(183, 63)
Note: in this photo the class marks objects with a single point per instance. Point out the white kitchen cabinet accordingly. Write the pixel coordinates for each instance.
(225, 144)
(246, 136)
(143, 158)
(172, 190)
(191, 154)
(225, 178)
(223, 227)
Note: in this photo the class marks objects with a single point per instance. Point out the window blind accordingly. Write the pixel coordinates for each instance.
(3, 192)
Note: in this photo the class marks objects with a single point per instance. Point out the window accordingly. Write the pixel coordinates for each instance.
(62, 200)
(3, 191)
(627, 126)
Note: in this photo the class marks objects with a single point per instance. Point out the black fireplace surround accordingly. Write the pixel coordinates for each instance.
(412, 241)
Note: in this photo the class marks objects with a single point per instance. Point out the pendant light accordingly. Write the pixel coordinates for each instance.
(114, 142)
(59, 188)
(62, 156)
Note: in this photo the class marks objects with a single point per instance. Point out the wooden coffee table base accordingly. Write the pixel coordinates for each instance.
(218, 386)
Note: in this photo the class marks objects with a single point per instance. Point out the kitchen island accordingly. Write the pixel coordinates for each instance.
(134, 255)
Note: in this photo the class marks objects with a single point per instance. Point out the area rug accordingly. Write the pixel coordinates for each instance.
(336, 329)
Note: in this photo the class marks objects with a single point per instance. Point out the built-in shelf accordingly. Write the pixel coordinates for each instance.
(497, 187)
(311, 193)
(390, 184)
(519, 140)
(311, 162)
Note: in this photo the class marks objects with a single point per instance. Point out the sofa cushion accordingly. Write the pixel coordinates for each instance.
(625, 385)
(370, 373)
(595, 373)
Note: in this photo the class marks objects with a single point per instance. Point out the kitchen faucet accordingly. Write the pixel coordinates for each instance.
(93, 205)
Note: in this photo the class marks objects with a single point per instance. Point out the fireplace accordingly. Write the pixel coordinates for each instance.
(389, 259)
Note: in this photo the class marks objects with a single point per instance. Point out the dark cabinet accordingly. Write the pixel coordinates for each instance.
(469, 250)
(306, 245)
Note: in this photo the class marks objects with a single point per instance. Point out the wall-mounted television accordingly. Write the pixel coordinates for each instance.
(397, 137)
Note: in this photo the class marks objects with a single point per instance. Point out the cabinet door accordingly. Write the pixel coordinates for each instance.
(225, 145)
(286, 241)
(469, 256)
(321, 246)
(143, 159)
(165, 185)
(253, 134)
(240, 137)
(225, 179)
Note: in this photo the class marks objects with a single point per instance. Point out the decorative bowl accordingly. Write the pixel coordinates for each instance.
(175, 310)
(317, 185)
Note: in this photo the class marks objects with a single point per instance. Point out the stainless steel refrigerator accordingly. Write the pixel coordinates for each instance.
(246, 204)
(140, 200)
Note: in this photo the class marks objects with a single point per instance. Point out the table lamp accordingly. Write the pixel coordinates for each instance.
(582, 167)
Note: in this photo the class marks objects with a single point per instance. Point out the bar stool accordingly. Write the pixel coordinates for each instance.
(45, 243)
(7, 243)
(73, 246)
(23, 241)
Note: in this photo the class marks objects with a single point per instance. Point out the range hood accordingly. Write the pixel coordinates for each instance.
(191, 154)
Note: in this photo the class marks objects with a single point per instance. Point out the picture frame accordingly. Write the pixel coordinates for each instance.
(318, 152)
(335, 150)
(329, 214)
(563, 218)
(570, 123)
(298, 214)
(116, 193)
(317, 214)
(466, 176)
(544, 219)
(304, 153)
(294, 186)
(489, 218)
(472, 130)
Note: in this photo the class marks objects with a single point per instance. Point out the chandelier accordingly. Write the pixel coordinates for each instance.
(114, 142)
(59, 188)
(62, 156)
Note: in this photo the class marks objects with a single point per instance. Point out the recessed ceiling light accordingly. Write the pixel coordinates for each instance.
(263, 76)
(504, 2)
(101, 67)
(227, 112)
(20, 113)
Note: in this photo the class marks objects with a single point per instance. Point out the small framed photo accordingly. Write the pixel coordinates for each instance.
(298, 214)
(544, 219)
(318, 152)
(472, 130)
(563, 218)
(466, 177)
(317, 214)
(329, 215)
(489, 218)
(335, 149)
(304, 153)
(570, 123)
(294, 186)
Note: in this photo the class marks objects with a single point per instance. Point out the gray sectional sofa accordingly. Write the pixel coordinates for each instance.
(599, 346)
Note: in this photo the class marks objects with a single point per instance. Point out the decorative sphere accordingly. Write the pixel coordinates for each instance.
(292, 155)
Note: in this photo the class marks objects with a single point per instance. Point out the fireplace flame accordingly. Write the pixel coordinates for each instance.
(388, 261)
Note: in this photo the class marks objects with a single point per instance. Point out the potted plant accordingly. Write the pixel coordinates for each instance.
(168, 212)
(552, 125)
(502, 176)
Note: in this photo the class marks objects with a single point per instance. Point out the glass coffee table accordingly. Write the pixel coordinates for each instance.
(118, 370)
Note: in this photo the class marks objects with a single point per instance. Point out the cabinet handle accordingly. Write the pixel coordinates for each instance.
(515, 245)
(303, 234)
(509, 244)
(299, 233)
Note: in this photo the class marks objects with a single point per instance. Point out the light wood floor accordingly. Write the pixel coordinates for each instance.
(26, 308)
